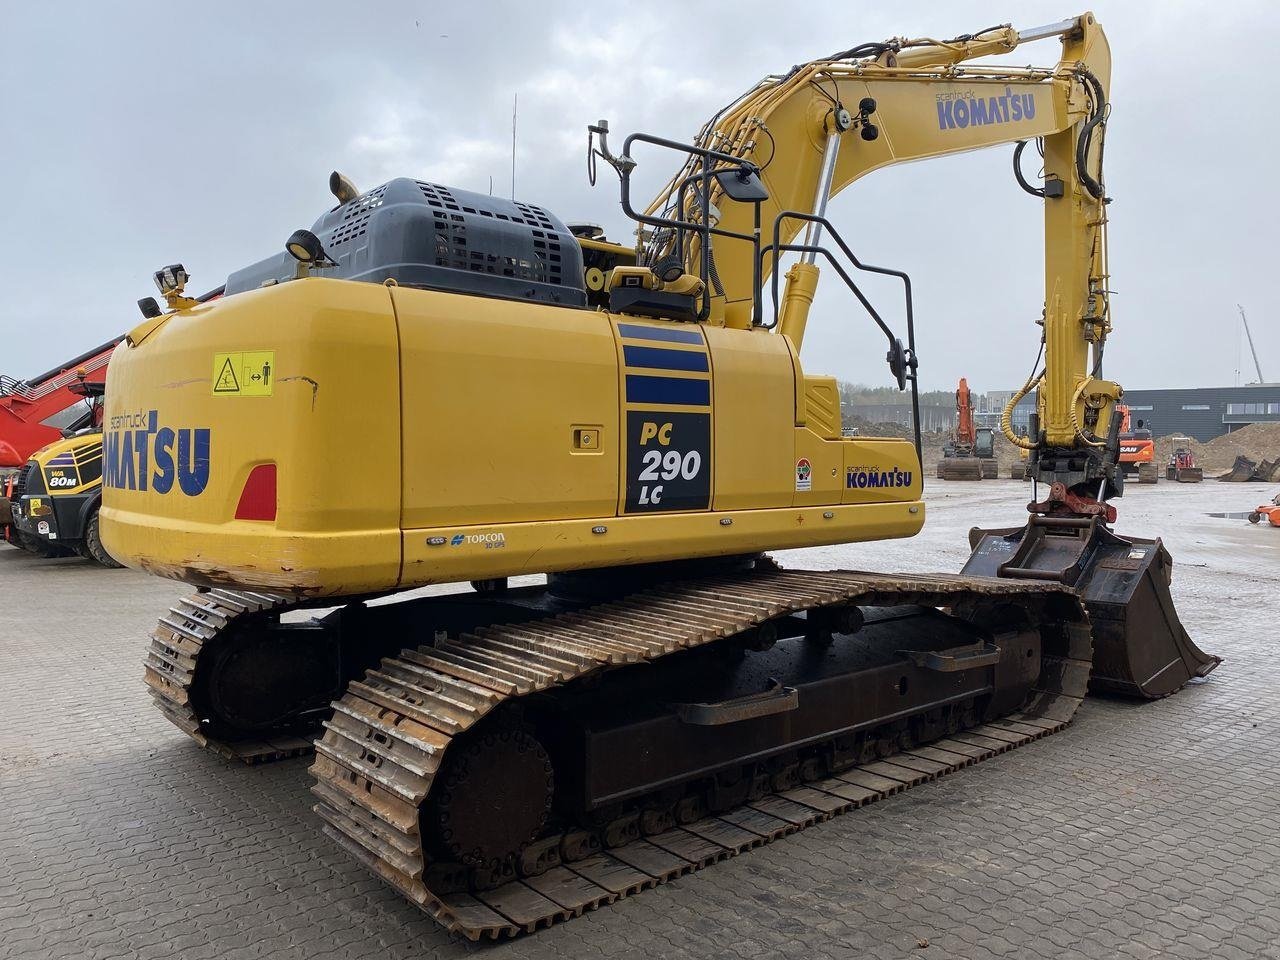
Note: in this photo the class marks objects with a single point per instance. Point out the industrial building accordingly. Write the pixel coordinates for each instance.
(1200, 412)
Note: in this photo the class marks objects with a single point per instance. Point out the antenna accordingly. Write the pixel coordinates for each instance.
(515, 103)
(1252, 349)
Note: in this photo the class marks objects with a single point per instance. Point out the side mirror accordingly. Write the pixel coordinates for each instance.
(742, 184)
(898, 362)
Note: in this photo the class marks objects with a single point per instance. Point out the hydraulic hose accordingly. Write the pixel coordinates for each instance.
(1006, 418)
(1075, 420)
(1017, 171)
(1086, 134)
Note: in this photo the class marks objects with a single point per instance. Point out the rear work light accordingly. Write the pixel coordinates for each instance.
(258, 498)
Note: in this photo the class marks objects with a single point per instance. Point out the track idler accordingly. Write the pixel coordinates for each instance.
(1140, 646)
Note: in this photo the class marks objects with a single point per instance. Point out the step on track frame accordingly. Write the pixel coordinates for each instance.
(388, 734)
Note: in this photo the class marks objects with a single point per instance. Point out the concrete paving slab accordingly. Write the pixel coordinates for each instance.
(1145, 830)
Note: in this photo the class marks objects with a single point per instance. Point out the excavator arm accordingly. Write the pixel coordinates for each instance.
(766, 166)
(810, 133)
(965, 433)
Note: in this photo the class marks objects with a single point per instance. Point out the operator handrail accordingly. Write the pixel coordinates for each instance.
(776, 248)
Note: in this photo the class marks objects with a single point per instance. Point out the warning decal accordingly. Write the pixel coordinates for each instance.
(804, 475)
(248, 374)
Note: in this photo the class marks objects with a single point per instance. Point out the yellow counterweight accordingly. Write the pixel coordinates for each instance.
(411, 436)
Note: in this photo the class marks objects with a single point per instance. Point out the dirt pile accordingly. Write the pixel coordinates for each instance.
(868, 428)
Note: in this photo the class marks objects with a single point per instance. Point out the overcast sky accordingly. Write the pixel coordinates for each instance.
(139, 134)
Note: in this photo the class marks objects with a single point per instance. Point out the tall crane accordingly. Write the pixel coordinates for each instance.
(1252, 349)
(634, 422)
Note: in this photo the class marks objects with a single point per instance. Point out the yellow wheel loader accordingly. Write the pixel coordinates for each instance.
(635, 423)
(55, 500)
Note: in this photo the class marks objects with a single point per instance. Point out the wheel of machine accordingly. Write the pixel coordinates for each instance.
(1017, 471)
(93, 548)
(990, 469)
(39, 548)
(494, 797)
(941, 464)
(1147, 473)
(1255, 517)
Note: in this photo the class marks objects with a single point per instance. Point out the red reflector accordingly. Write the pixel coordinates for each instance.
(258, 498)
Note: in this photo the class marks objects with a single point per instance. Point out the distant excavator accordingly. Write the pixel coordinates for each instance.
(39, 412)
(635, 423)
(970, 453)
(1137, 448)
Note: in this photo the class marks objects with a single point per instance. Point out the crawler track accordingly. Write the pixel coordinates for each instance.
(176, 643)
(380, 752)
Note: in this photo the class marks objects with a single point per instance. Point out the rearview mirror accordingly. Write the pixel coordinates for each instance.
(742, 184)
(898, 363)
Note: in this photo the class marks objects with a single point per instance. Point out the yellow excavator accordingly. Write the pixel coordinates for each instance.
(517, 396)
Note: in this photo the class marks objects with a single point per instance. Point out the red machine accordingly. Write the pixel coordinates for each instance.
(29, 409)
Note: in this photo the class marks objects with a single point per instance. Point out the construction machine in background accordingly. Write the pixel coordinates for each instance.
(1182, 462)
(55, 499)
(1137, 449)
(1245, 470)
(1268, 511)
(635, 423)
(1018, 469)
(970, 453)
(35, 412)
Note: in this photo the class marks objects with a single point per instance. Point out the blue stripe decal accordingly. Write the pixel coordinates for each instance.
(696, 393)
(669, 334)
(658, 358)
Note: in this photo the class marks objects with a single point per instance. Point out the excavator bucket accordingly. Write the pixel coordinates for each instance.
(1241, 471)
(1140, 646)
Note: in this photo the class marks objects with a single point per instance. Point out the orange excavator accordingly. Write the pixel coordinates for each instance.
(1137, 449)
(970, 453)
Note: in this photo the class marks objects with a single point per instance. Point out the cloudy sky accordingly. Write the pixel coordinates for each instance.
(140, 134)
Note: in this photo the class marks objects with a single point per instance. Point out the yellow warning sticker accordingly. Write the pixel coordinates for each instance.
(248, 374)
